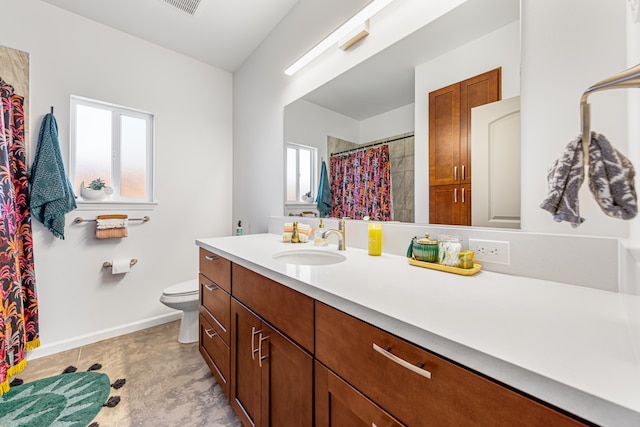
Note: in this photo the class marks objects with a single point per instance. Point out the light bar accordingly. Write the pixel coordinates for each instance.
(353, 23)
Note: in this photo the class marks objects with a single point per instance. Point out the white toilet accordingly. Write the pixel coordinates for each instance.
(184, 296)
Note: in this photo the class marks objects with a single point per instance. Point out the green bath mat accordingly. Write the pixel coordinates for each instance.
(69, 400)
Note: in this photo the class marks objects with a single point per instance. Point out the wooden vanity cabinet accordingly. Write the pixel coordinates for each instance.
(271, 374)
(284, 359)
(415, 386)
(215, 316)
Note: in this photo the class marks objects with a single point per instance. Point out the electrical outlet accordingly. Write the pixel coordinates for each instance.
(490, 250)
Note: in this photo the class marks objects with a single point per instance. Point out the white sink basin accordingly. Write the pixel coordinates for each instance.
(309, 257)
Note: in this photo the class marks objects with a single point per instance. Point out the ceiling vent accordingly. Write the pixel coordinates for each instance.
(187, 6)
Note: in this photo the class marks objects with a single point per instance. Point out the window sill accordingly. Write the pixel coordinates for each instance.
(84, 205)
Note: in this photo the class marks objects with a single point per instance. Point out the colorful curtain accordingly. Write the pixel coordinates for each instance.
(19, 329)
(361, 184)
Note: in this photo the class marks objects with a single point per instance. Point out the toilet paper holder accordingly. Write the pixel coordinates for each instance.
(108, 264)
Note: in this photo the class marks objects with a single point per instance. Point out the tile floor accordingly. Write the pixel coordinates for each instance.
(168, 383)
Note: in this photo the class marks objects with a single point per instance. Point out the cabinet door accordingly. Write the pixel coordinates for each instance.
(245, 370)
(479, 90)
(444, 135)
(450, 204)
(287, 381)
(340, 405)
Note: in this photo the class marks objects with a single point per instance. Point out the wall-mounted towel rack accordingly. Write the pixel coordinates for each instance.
(629, 78)
(79, 219)
(107, 264)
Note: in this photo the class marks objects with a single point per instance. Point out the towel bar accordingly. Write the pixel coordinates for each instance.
(79, 219)
(107, 264)
(629, 78)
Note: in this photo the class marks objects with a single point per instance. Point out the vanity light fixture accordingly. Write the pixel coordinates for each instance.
(358, 34)
(355, 22)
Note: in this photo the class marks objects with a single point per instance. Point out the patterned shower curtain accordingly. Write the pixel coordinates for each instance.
(361, 184)
(19, 329)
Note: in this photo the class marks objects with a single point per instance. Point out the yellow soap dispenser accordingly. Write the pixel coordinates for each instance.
(318, 240)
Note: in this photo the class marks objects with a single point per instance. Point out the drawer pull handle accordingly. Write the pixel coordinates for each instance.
(211, 257)
(211, 287)
(209, 334)
(254, 350)
(260, 356)
(401, 362)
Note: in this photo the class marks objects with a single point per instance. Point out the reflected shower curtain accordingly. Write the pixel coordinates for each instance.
(361, 184)
(19, 329)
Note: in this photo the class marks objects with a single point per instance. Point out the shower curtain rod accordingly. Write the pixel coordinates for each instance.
(373, 144)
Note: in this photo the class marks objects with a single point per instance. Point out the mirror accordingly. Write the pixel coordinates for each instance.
(386, 97)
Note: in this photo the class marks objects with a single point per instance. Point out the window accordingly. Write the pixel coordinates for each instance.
(301, 173)
(115, 144)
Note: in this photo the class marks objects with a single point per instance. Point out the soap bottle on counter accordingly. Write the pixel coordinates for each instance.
(318, 240)
(239, 229)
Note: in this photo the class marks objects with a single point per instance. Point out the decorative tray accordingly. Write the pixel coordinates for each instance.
(455, 270)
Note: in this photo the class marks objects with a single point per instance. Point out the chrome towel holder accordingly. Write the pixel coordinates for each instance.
(629, 78)
(79, 219)
(108, 264)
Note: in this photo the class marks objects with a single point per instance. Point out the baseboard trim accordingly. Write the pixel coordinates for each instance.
(57, 347)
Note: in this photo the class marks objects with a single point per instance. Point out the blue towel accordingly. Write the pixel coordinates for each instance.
(323, 199)
(51, 192)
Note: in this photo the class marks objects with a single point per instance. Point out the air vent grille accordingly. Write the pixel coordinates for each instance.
(187, 6)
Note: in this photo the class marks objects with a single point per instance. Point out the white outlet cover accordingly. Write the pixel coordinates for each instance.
(494, 251)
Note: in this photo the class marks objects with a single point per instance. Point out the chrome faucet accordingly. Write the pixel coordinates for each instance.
(342, 243)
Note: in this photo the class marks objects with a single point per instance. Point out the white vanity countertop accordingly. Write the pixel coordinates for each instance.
(575, 347)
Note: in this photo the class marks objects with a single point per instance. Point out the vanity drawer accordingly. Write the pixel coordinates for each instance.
(288, 310)
(215, 352)
(216, 268)
(395, 376)
(216, 304)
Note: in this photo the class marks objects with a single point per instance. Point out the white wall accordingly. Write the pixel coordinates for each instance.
(391, 123)
(500, 48)
(566, 47)
(309, 124)
(80, 302)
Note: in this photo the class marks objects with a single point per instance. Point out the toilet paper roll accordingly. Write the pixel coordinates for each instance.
(120, 265)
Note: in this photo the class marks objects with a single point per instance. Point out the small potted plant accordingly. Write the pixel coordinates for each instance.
(96, 190)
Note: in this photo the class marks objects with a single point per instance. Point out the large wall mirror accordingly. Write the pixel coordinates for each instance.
(385, 101)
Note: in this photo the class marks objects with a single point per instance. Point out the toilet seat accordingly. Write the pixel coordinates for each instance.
(190, 287)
